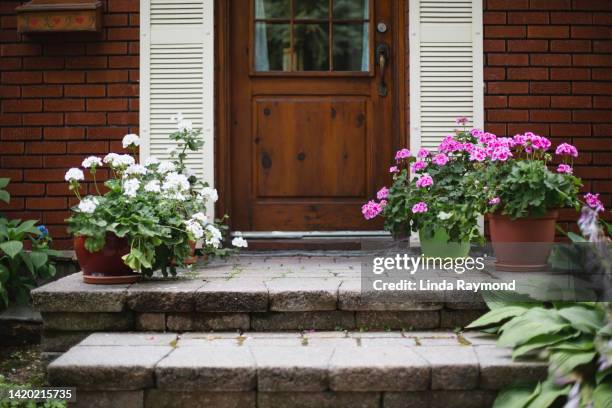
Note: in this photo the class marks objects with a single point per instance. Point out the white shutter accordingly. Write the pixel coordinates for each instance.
(446, 68)
(177, 75)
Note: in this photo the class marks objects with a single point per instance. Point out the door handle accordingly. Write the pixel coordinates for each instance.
(382, 58)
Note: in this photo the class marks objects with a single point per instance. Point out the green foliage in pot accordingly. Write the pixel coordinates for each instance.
(21, 269)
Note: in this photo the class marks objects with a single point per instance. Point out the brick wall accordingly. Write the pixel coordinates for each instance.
(64, 96)
(549, 69)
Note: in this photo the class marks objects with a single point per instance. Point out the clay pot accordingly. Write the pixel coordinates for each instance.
(438, 246)
(105, 266)
(523, 244)
(193, 258)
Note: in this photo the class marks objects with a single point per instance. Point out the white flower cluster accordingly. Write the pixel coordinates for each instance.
(74, 174)
(130, 187)
(182, 124)
(240, 242)
(214, 236)
(118, 160)
(166, 167)
(135, 169)
(88, 205)
(153, 186)
(194, 228)
(151, 161)
(91, 161)
(199, 227)
(130, 140)
(208, 193)
(175, 186)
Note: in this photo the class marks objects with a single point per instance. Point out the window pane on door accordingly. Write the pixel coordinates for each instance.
(272, 9)
(351, 9)
(311, 47)
(351, 47)
(272, 47)
(311, 9)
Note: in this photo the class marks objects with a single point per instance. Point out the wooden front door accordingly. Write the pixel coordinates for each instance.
(312, 121)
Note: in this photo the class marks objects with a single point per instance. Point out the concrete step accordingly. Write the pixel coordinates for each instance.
(309, 369)
(258, 293)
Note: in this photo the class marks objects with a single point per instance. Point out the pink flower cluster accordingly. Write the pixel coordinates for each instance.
(566, 149)
(402, 154)
(424, 181)
(419, 207)
(371, 209)
(383, 193)
(419, 165)
(440, 159)
(594, 202)
(565, 168)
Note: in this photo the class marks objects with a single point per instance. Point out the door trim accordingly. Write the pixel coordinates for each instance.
(223, 91)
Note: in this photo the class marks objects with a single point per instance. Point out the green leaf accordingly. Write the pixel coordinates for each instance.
(602, 375)
(38, 258)
(602, 396)
(533, 323)
(516, 396)
(5, 196)
(575, 237)
(27, 226)
(548, 395)
(539, 342)
(564, 362)
(497, 316)
(11, 248)
(4, 182)
(583, 319)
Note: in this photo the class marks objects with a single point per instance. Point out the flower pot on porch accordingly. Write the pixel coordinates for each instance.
(105, 266)
(439, 246)
(523, 244)
(193, 258)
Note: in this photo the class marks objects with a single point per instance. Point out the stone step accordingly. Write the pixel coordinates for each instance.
(258, 293)
(309, 369)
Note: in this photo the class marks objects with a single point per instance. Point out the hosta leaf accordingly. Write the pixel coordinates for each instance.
(602, 375)
(539, 342)
(5, 196)
(533, 323)
(11, 248)
(497, 316)
(27, 226)
(38, 258)
(583, 319)
(564, 362)
(602, 396)
(548, 395)
(4, 181)
(497, 300)
(516, 396)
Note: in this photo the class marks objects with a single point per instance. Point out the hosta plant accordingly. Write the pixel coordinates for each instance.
(159, 206)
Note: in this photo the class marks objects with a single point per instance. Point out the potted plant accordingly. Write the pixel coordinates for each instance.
(429, 195)
(522, 195)
(149, 217)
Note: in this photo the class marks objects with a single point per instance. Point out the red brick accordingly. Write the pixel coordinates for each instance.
(550, 4)
(11, 119)
(507, 4)
(46, 203)
(571, 18)
(528, 73)
(21, 133)
(549, 31)
(575, 74)
(134, 104)
(600, 145)
(85, 118)
(507, 87)
(508, 59)
(10, 91)
(43, 63)
(120, 6)
(573, 130)
(122, 34)
(47, 175)
(65, 49)
(64, 105)
(108, 133)
(12, 147)
(135, 20)
(21, 162)
(546, 115)
(602, 32)
(551, 59)
(529, 101)
(107, 48)
(602, 18)
(504, 31)
(38, 119)
(123, 90)
(8, 22)
(21, 77)
(62, 162)
(592, 5)
(602, 158)
(64, 77)
(88, 62)
(107, 76)
(41, 91)
(10, 64)
(115, 20)
(602, 46)
(527, 45)
(602, 130)
(550, 88)
(124, 62)
(593, 116)
(495, 102)
(55, 217)
(17, 50)
(64, 133)
(107, 105)
(16, 203)
(88, 147)
(570, 46)
(602, 102)
(134, 75)
(84, 90)
(26, 189)
(590, 60)
(594, 88)
(600, 74)
(527, 17)
(506, 115)
(123, 118)
(46, 147)
(571, 102)
(494, 46)
(21, 105)
(494, 74)
(493, 17)
(134, 48)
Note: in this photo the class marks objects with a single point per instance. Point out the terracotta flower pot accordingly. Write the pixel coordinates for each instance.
(105, 266)
(438, 246)
(523, 244)
(193, 258)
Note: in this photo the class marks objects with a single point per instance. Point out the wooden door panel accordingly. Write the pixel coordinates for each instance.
(310, 147)
(318, 215)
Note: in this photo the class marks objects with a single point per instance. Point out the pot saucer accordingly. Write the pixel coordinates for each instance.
(502, 267)
(110, 280)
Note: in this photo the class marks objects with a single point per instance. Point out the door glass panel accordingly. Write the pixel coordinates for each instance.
(272, 47)
(351, 47)
(351, 9)
(311, 9)
(311, 47)
(272, 9)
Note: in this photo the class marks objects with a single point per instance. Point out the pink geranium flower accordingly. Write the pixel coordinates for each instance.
(424, 181)
(449, 145)
(382, 193)
(593, 201)
(478, 154)
(565, 168)
(423, 153)
(371, 209)
(501, 153)
(566, 149)
(461, 120)
(476, 132)
(419, 165)
(520, 140)
(393, 169)
(494, 201)
(419, 207)
(402, 154)
(440, 159)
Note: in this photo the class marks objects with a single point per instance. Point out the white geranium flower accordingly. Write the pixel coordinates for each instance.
(214, 237)
(184, 124)
(200, 217)
(194, 227)
(119, 160)
(130, 140)
(175, 182)
(153, 186)
(166, 167)
(209, 193)
(74, 174)
(176, 118)
(136, 169)
(445, 215)
(91, 161)
(240, 242)
(88, 205)
(151, 161)
(130, 187)
(110, 158)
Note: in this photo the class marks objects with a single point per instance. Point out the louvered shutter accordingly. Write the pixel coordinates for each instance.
(176, 69)
(446, 64)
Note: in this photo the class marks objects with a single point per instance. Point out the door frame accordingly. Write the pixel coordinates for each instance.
(222, 97)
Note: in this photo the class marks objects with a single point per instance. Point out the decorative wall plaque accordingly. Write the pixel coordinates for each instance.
(59, 15)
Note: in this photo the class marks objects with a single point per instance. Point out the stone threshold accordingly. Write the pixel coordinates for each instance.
(309, 369)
